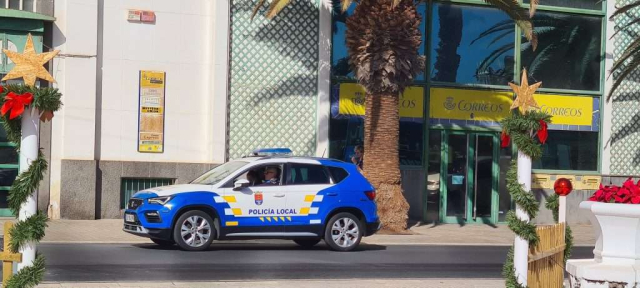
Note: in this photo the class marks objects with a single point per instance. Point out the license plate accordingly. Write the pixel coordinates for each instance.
(129, 218)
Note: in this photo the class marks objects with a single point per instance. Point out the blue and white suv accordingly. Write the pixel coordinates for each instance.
(299, 198)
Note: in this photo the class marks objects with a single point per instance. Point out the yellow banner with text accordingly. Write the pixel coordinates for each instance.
(482, 105)
(351, 101)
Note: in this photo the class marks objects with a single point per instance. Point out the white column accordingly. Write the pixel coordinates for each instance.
(29, 146)
(324, 82)
(521, 246)
(562, 210)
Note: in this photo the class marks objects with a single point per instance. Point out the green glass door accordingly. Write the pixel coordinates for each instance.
(470, 169)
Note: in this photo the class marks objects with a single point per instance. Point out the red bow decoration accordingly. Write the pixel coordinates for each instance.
(542, 133)
(15, 103)
(504, 139)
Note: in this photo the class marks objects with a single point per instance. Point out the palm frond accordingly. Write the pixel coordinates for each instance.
(624, 28)
(257, 8)
(276, 6)
(533, 5)
(395, 3)
(518, 14)
(632, 51)
(633, 65)
(346, 4)
(624, 9)
(501, 26)
(505, 34)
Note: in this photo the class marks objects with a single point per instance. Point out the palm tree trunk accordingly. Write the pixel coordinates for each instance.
(381, 160)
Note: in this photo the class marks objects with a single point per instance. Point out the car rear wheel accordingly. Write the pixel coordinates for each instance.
(194, 231)
(165, 243)
(343, 232)
(307, 243)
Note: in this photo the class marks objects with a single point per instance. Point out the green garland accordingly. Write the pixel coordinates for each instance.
(31, 229)
(521, 128)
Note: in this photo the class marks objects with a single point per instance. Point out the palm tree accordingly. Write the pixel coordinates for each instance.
(383, 39)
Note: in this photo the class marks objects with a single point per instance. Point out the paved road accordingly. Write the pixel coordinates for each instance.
(270, 260)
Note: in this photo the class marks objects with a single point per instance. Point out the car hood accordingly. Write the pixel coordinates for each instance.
(177, 189)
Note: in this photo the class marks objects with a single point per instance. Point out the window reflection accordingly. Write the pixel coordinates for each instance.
(568, 53)
(471, 45)
(581, 4)
(569, 150)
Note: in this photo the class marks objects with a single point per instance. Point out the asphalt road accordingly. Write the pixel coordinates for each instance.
(271, 260)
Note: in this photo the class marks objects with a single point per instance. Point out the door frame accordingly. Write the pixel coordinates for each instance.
(493, 219)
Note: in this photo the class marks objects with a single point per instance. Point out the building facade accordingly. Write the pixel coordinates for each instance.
(228, 84)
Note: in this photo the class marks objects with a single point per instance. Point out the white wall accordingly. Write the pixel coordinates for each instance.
(73, 127)
(179, 43)
(607, 112)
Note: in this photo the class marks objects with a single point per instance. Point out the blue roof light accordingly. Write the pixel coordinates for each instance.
(272, 151)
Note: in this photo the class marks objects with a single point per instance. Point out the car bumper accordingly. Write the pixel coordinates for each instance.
(373, 227)
(162, 234)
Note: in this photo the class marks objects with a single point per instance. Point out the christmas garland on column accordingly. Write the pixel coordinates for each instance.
(15, 100)
(520, 127)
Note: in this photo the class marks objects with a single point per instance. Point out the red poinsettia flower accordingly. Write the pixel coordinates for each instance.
(15, 103)
(628, 193)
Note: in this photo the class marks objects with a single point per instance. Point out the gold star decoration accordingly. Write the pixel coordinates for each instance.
(524, 94)
(28, 65)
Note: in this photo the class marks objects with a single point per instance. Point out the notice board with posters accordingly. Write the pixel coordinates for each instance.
(151, 112)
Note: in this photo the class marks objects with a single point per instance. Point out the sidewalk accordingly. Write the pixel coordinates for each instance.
(351, 283)
(110, 231)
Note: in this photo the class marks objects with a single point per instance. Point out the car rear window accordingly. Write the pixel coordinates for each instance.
(306, 174)
(338, 174)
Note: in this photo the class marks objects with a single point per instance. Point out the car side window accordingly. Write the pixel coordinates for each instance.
(262, 175)
(307, 174)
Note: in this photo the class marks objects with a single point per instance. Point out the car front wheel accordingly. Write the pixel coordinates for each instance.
(194, 231)
(343, 232)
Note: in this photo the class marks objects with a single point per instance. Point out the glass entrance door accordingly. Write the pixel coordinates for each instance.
(471, 172)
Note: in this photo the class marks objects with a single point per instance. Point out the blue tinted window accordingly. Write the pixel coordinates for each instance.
(340, 63)
(471, 45)
(568, 53)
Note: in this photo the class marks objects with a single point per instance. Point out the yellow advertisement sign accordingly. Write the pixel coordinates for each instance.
(151, 120)
(482, 105)
(567, 110)
(459, 104)
(351, 101)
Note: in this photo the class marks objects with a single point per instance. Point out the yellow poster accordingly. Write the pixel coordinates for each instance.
(567, 110)
(483, 105)
(351, 101)
(461, 104)
(151, 111)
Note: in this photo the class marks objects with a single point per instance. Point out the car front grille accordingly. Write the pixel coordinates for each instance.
(134, 203)
(153, 218)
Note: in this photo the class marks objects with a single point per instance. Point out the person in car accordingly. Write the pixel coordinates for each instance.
(271, 176)
(253, 178)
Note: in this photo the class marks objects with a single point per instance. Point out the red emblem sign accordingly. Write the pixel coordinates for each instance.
(258, 198)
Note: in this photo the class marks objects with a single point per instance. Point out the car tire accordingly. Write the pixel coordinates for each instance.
(307, 243)
(343, 232)
(198, 228)
(164, 243)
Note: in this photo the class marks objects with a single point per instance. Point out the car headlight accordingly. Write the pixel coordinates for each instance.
(159, 200)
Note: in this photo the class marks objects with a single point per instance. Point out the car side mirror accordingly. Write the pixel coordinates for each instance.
(240, 183)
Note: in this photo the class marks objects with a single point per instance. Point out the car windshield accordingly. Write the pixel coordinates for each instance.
(219, 173)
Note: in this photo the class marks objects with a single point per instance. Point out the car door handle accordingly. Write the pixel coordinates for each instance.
(332, 194)
(278, 195)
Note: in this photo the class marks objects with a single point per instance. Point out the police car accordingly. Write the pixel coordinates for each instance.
(267, 195)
